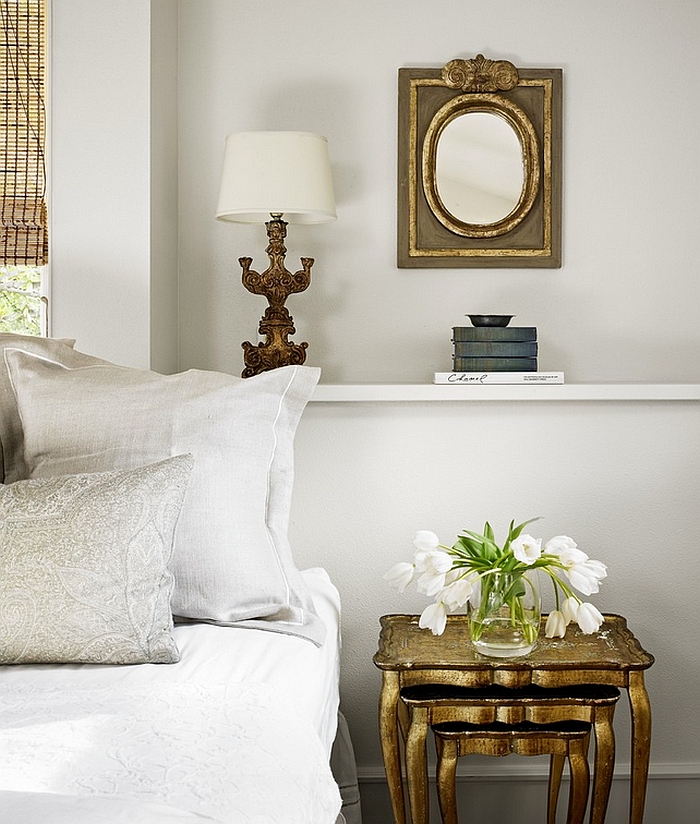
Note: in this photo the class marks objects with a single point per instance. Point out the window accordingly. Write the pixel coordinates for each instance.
(22, 305)
(23, 218)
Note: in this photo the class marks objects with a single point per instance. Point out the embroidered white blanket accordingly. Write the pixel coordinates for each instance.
(179, 752)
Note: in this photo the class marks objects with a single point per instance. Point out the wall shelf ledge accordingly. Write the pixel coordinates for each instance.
(428, 392)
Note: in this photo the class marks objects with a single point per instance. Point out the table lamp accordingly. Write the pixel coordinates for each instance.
(268, 176)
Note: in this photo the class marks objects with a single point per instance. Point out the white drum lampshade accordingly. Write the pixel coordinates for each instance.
(284, 173)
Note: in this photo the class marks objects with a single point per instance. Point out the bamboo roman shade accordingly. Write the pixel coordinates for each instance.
(23, 229)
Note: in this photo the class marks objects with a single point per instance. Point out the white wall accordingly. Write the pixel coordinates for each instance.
(622, 478)
(163, 251)
(624, 304)
(113, 178)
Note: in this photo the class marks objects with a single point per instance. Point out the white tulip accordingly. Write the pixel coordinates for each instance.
(527, 549)
(434, 565)
(400, 575)
(589, 619)
(430, 583)
(434, 618)
(585, 576)
(558, 544)
(556, 624)
(569, 556)
(597, 568)
(456, 594)
(569, 609)
(426, 540)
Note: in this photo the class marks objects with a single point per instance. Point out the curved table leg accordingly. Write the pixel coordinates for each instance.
(446, 778)
(578, 790)
(416, 767)
(640, 710)
(389, 738)
(556, 769)
(604, 763)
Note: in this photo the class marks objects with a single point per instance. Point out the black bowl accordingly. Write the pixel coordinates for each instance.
(490, 320)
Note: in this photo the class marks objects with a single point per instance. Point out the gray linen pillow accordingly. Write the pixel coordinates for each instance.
(232, 561)
(12, 466)
(83, 566)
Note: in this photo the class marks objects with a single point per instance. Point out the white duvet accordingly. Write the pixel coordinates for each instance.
(239, 732)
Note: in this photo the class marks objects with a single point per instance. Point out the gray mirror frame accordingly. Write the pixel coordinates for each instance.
(531, 99)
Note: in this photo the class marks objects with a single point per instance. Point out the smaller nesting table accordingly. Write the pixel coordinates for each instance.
(561, 740)
(408, 656)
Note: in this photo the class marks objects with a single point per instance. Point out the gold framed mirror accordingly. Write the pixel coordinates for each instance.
(479, 166)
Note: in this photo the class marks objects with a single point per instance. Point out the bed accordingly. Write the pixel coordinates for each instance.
(162, 659)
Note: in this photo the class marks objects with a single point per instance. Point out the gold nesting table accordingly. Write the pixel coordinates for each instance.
(409, 656)
(561, 741)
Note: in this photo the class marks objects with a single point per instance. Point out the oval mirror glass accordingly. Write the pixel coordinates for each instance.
(479, 168)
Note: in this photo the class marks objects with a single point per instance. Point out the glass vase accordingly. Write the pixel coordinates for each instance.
(504, 614)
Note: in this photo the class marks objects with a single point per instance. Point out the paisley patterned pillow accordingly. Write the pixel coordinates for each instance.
(83, 566)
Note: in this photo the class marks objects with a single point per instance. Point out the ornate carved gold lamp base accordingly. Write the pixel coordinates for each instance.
(276, 283)
(267, 175)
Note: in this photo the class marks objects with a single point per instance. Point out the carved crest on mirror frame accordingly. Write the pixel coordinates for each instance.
(480, 75)
(479, 178)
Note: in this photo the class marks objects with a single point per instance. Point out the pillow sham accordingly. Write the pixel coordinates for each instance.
(83, 566)
(232, 561)
(12, 466)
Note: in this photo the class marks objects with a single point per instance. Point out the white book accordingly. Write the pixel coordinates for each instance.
(482, 378)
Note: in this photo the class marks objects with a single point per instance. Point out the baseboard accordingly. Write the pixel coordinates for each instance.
(534, 772)
(487, 793)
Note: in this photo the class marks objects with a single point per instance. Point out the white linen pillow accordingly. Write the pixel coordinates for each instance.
(12, 467)
(232, 561)
(84, 566)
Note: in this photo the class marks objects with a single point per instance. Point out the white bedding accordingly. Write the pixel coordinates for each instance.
(239, 732)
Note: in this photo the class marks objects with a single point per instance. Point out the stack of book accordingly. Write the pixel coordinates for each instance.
(496, 354)
(494, 348)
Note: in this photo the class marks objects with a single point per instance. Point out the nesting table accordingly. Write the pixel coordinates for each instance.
(408, 655)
